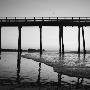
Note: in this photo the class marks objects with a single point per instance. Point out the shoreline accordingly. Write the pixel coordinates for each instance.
(48, 86)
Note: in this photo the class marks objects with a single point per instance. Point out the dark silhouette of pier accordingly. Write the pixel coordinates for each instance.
(80, 22)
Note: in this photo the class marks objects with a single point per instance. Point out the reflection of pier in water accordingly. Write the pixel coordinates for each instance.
(80, 22)
(80, 70)
(80, 79)
(64, 71)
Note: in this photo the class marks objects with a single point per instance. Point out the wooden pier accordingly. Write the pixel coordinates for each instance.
(80, 22)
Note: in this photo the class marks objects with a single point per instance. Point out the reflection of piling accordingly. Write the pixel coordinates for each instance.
(61, 58)
(18, 67)
(79, 84)
(0, 39)
(39, 74)
(19, 39)
(39, 70)
(40, 39)
(38, 81)
(61, 38)
(84, 56)
(59, 80)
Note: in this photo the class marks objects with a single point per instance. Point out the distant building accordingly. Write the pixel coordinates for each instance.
(34, 50)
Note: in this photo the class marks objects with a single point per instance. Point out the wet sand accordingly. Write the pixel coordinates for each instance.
(43, 87)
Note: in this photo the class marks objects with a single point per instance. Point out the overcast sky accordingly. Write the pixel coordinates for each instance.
(43, 8)
(37, 8)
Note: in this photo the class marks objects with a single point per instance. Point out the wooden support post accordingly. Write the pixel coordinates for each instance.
(40, 39)
(83, 41)
(78, 39)
(19, 39)
(59, 39)
(62, 40)
(0, 39)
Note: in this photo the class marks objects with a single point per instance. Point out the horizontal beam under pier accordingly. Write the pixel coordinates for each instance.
(27, 22)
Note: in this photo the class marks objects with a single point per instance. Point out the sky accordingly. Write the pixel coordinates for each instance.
(44, 8)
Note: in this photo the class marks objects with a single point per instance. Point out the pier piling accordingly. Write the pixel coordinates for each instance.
(0, 39)
(40, 39)
(78, 39)
(61, 38)
(83, 41)
(19, 39)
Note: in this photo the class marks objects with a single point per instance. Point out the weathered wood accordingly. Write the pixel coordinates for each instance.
(40, 39)
(19, 39)
(47, 21)
(78, 39)
(0, 39)
(59, 39)
(62, 41)
(61, 49)
(83, 41)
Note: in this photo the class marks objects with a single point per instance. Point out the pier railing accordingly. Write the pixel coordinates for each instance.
(43, 19)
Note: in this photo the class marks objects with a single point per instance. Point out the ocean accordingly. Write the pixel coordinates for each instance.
(51, 67)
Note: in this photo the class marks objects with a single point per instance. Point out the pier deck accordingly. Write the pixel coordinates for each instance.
(45, 21)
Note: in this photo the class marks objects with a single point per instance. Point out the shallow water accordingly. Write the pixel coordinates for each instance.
(15, 69)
